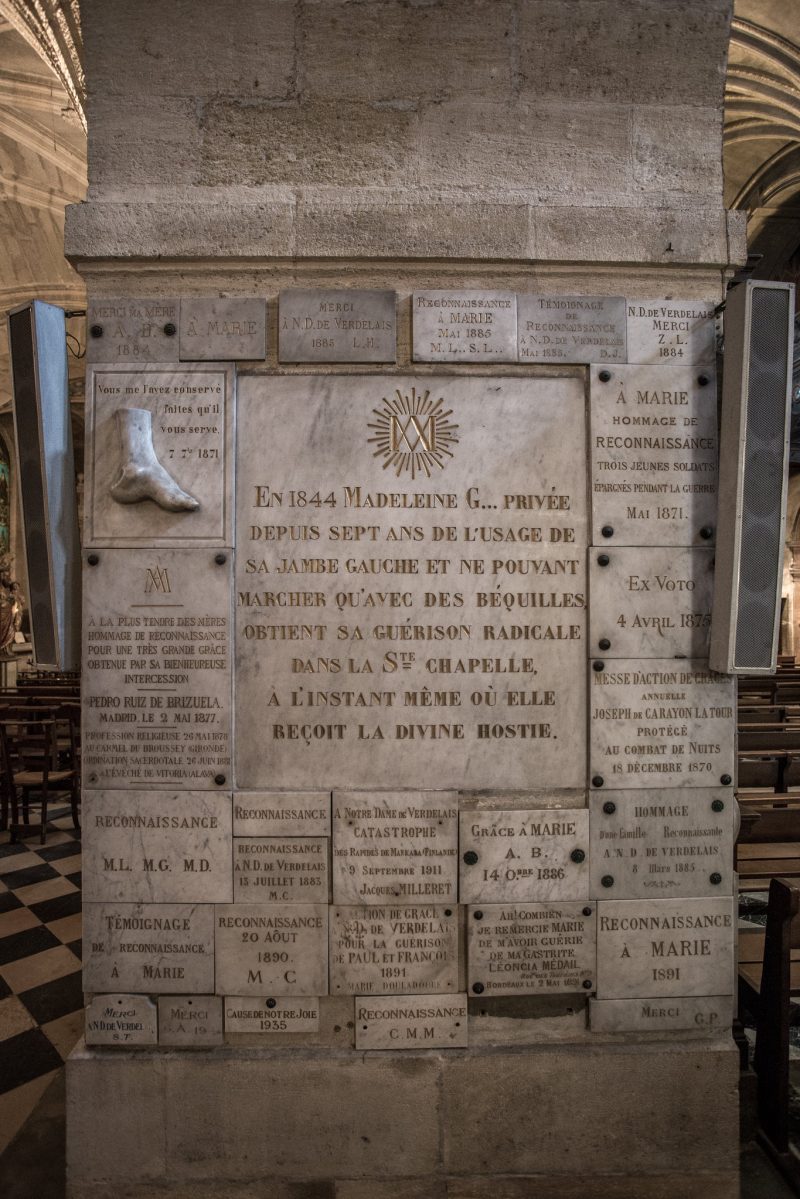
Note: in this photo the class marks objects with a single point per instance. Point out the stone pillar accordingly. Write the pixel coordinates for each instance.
(439, 246)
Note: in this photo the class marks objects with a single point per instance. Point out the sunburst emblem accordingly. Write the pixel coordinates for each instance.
(413, 433)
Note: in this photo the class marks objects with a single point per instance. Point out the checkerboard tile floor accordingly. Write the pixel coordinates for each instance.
(41, 998)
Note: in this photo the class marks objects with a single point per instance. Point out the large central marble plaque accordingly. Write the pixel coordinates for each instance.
(410, 582)
(159, 435)
(395, 847)
(531, 948)
(532, 854)
(148, 948)
(156, 669)
(271, 949)
(661, 722)
(653, 455)
(393, 950)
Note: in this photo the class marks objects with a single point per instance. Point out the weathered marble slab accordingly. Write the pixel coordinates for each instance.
(271, 1016)
(280, 869)
(121, 1020)
(407, 1022)
(394, 847)
(156, 669)
(711, 1015)
(661, 722)
(190, 1020)
(157, 846)
(393, 951)
(672, 331)
(531, 948)
(132, 330)
(222, 330)
(282, 814)
(161, 948)
(342, 325)
(652, 602)
(665, 947)
(662, 844)
(653, 453)
(191, 422)
(271, 949)
(517, 856)
(410, 620)
(571, 328)
(464, 326)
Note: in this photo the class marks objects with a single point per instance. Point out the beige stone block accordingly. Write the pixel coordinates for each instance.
(677, 148)
(737, 237)
(401, 1188)
(706, 1185)
(142, 139)
(652, 1109)
(618, 234)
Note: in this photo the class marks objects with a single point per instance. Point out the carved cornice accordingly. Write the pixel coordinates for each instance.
(53, 28)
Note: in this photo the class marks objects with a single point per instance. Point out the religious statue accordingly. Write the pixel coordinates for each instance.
(12, 602)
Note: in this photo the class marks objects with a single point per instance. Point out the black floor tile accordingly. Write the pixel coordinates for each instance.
(8, 851)
(9, 901)
(26, 878)
(51, 853)
(77, 948)
(5, 989)
(27, 1056)
(75, 879)
(60, 905)
(51, 1000)
(22, 945)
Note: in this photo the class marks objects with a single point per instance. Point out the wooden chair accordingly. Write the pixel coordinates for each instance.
(29, 754)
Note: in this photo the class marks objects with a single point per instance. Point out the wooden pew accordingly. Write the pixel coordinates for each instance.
(780, 743)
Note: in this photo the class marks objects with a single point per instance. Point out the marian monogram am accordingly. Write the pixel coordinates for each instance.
(413, 433)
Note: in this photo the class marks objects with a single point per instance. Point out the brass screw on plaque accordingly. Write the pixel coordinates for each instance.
(702, 380)
(603, 559)
(604, 376)
(607, 530)
(587, 911)
(597, 780)
(706, 532)
(96, 331)
(470, 857)
(726, 780)
(220, 559)
(170, 330)
(609, 807)
(604, 643)
(219, 779)
(715, 879)
(271, 1003)
(578, 856)
(477, 915)
(717, 805)
(93, 559)
(607, 880)
(477, 988)
(587, 984)
(92, 778)
(597, 665)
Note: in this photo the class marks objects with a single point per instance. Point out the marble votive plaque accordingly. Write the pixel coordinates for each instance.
(265, 1015)
(156, 670)
(280, 869)
(395, 847)
(653, 449)
(571, 328)
(157, 846)
(282, 814)
(662, 844)
(271, 949)
(464, 326)
(661, 722)
(408, 1022)
(344, 325)
(121, 1020)
(132, 330)
(672, 332)
(189, 445)
(710, 1014)
(650, 602)
(386, 633)
(665, 947)
(157, 948)
(531, 948)
(393, 950)
(509, 856)
(222, 330)
(189, 1020)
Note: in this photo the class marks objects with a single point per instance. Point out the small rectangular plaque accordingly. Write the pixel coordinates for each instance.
(524, 855)
(650, 602)
(132, 330)
(165, 948)
(271, 949)
(282, 814)
(271, 1016)
(672, 331)
(345, 325)
(121, 1020)
(464, 326)
(408, 1022)
(571, 328)
(661, 844)
(159, 459)
(395, 846)
(190, 1020)
(653, 455)
(156, 669)
(222, 330)
(157, 846)
(531, 948)
(280, 869)
(665, 947)
(393, 950)
(661, 722)
(711, 1014)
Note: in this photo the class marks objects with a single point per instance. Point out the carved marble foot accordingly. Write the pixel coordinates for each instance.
(142, 477)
